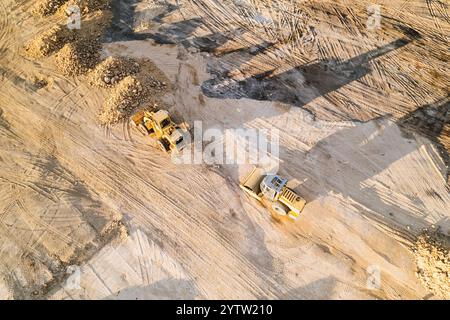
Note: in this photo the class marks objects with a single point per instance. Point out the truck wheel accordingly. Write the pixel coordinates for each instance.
(279, 209)
(164, 145)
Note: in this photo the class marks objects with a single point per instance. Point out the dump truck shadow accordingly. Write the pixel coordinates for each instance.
(347, 163)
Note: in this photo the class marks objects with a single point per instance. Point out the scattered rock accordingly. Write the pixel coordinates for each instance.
(152, 78)
(155, 83)
(112, 70)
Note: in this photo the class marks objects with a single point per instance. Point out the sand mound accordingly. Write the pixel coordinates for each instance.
(78, 57)
(433, 263)
(49, 42)
(126, 96)
(47, 7)
(112, 70)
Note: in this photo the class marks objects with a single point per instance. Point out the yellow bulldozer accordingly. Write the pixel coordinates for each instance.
(273, 192)
(157, 124)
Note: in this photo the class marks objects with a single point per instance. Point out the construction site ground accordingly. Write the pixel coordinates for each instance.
(368, 146)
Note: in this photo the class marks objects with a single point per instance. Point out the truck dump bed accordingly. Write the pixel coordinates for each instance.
(252, 183)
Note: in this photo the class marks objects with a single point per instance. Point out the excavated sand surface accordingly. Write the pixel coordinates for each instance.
(75, 195)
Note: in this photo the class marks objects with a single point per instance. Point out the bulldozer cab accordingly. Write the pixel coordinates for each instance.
(272, 186)
(162, 119)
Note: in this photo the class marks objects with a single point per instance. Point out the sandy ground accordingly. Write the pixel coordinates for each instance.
(69, 186)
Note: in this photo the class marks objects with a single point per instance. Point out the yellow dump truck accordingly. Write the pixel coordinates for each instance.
(273, 193)
(157, 124)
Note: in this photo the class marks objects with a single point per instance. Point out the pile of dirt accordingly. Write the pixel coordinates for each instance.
(84, 7)
(78, 57)
(47, 7)
(93, 24)
(87, 6)
(49, 42)
(125, 97)
(93, 27)
(433, 262)
(112, 70)
(133, 82)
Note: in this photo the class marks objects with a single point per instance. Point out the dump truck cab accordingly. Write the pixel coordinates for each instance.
(272, 186)
(272, 191)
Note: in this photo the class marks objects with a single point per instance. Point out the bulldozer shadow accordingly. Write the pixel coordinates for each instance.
(297, 86)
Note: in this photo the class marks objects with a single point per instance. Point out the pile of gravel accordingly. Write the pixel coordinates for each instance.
(78, 57)
(112, 70)
(87, 6)
(124, 98)
(433, 262)
(47, 7)
(90, 5)
(155, 83)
